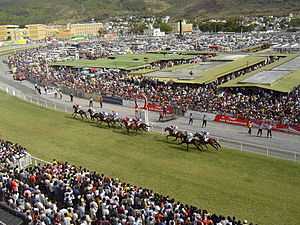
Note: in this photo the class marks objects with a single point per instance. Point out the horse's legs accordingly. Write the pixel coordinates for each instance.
(206, 146)
(198, 147)
(212, 145)
(187, 147)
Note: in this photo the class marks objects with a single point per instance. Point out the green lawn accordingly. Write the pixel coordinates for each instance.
(285, 84)
(249, 186)
(126, 62)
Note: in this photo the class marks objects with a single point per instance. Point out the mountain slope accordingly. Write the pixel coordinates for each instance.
(42, 11)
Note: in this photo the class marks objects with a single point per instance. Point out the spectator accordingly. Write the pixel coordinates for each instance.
(204, 121)
(191, 119)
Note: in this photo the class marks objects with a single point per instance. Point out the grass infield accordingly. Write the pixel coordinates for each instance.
(249, 186)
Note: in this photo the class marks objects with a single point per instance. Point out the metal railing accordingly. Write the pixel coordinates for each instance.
(37, 161)
(266, 150)
(260, 149)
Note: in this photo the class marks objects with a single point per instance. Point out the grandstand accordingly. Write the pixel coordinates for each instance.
(128, 62)
(283, 76)
(208, 72)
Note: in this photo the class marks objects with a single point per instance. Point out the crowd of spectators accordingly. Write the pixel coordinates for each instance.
(254, 104)
(10, 153)
(64, 194)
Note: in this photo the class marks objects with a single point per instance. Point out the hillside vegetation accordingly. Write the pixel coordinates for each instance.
(37, 11)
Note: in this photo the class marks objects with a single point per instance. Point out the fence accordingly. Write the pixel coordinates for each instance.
(24, 162)
(36, 161)
(58, 106)
(253, 148)
(259, 149)
(245, 147)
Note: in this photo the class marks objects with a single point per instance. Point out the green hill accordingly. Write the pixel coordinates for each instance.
(37, 11)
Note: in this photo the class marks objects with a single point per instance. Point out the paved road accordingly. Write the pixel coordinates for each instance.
(280, 141)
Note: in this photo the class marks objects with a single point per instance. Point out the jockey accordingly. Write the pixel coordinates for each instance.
(92, 110)
(174, 128)
(115, 114)
(205, 135)
(189, 136)
(139, 121)
(130, 121)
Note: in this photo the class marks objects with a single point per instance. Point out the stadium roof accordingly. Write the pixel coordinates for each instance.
(222, 70)
(124, 62)
(282, 76)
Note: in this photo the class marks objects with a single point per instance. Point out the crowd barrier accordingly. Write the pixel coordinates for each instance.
(112, 99)
(23, 162)
(256, 123)
(154, 107)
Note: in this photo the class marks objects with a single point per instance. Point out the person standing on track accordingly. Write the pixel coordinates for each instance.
(269, 132)
(249, 125)
(204, 121)
(71, 97)
(260, 130)
(191, 119)
(101, 101)
(91, 103)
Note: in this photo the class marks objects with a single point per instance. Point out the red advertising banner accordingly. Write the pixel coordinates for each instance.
(157, 108)
(295, 129)
(231, 120)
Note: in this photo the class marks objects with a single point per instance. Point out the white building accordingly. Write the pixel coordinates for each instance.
(154, 32)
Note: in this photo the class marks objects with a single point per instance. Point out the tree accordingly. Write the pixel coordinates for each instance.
(138, 28)
(295, 22)
(164, 27)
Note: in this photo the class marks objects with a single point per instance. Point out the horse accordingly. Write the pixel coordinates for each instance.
(174, 133)
(93, 115)
(194, 141)
(210, 141)
(130, 125)
(171, 131)
(103, 117)
(142, 126)
(78, 111)
(214, 143)
(115, 120)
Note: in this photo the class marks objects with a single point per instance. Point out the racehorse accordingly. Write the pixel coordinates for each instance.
(129, 125)
(116, 120)
(104, 117)
(210, 141)
(194, 141)
(142, 126)
(93, 115)
(174, 133)
(214, 143)
(78, 111)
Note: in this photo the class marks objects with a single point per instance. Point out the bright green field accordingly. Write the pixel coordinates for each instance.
(249, 186)
(285, 84)
(126, 62)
